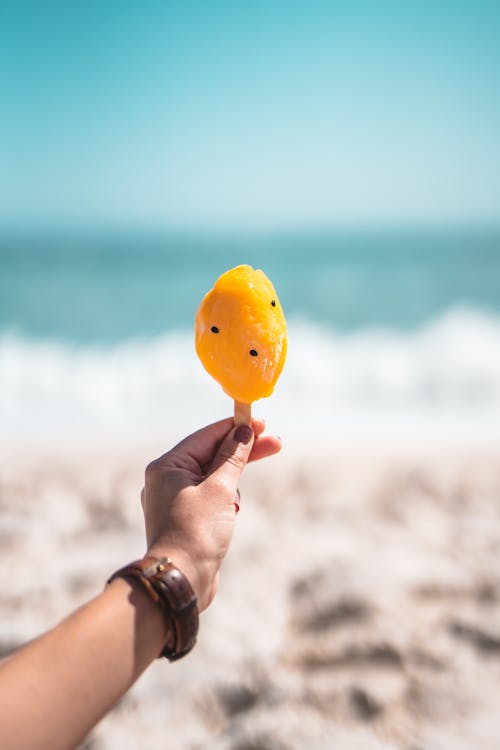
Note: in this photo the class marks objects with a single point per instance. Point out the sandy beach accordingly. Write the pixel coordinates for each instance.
(351, 153)
(359, 606)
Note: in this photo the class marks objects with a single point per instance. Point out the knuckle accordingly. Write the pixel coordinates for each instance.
(158, 468)
(153, 468)
(219, 484)
(234, 459)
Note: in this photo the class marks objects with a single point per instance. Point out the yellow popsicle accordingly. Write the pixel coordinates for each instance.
(241, 335)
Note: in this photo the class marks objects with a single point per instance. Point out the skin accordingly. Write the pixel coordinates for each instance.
(57, 687)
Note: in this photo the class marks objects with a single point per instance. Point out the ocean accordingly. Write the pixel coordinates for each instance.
(387, 329)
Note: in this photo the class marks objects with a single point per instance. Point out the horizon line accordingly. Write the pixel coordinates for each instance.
(165, 230)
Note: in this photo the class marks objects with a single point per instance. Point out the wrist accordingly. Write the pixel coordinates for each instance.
(169, 590)
(145, 607)
(200, 574)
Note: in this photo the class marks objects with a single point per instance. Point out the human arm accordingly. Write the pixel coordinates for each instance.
(55, 689)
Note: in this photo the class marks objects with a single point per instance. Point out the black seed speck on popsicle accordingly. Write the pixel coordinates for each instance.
(253, 353)
(273, 302)
(214, 329)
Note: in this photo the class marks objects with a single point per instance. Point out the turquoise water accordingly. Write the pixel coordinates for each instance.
(401, 329)
(107, 288)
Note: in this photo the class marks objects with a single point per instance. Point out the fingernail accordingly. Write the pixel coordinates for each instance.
(243, 434)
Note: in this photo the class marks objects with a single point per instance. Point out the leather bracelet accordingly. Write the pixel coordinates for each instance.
(171, 590)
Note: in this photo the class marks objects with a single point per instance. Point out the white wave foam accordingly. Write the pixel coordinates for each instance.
(448, 371)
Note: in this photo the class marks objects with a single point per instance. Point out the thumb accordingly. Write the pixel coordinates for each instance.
(232, 455)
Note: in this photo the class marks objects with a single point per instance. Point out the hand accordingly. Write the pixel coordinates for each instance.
(189, 494)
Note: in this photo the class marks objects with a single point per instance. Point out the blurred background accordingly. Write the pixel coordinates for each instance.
(350, 150)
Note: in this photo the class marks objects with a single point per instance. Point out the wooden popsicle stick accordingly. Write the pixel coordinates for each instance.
(242, 413)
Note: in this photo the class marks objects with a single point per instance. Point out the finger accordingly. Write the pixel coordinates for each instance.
(202, 444)
(237, 501)
(232, 455)
(265, 446)
(258, 426)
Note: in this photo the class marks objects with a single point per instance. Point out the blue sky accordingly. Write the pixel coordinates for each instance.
(235, 115)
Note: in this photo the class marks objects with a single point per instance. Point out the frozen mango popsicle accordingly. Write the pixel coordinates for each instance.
(241, 336)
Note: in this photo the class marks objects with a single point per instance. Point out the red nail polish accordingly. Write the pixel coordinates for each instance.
(243, 434)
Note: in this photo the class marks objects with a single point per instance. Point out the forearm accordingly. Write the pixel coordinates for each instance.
(55, 689)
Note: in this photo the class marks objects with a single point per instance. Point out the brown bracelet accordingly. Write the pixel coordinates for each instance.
(171, 590)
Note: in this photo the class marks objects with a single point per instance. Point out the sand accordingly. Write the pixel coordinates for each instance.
(359, 606)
